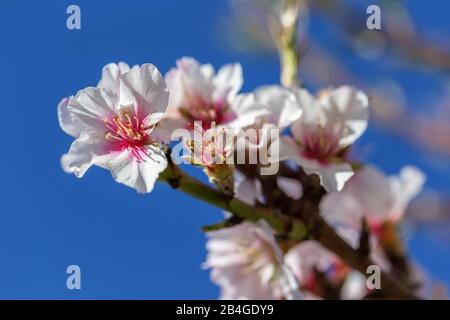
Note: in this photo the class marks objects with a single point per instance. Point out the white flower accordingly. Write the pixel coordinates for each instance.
(263, 110)
(247, 263)
(329, 124)
(212, 149)
(198, 94)
(272, 105)
(248, 190)
(115, 126)
(370, 194)
(308, 256)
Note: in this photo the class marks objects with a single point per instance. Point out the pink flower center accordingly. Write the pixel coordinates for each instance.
(128, 132)
(213, 147)
(320, 143)
(207, 112)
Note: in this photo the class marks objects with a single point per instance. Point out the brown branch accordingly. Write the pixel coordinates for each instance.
(282, 224)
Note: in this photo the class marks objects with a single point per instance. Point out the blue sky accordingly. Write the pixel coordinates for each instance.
(128, 246)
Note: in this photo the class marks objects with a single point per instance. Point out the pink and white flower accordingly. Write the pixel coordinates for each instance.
(330, 123)
(115, 126)
(197, 93)
(247, 263)
(267, 105)
(307, 257)
(370, 194)
(379, 199)
(261, 111)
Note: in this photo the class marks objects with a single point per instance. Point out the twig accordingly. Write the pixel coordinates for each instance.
(282, 224)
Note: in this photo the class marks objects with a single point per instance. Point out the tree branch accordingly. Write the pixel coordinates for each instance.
(282, 224)
(284, 33)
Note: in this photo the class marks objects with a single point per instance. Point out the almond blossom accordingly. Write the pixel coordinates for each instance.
(247, 263)
(197, 93)
(260, 111)
(372, 195)
(330, 123)
(115, 126)
(307, 257)
(271, 104)
(212, 150)
(367, 194)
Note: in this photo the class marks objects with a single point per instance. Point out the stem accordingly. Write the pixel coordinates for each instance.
(286, 40)
(289, 63)
(178, 179)
(294, 228)
(333, 242)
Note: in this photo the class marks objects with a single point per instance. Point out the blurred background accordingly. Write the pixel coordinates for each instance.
(130, 246)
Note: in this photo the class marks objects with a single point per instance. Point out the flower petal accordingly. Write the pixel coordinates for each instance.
(90, 107)
(373, 190)
(248, 111)
(280, 103)
(111, 75)
(138, 174)
(227, 82)
(291, 187)
(144, 88)
(65, 119)
(190, 83)
(405, 188)
(87, 150)
(350, 107)
(333, 176)
(248, 190)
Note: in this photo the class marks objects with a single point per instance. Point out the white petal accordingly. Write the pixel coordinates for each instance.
(152, 119)
(176, 92)
(166, 127)
(280, 103)
(247, 110)
(228, 82)
(144, 87)
(110, 76)
(65, 119)
(140, 175)
(312, 110)
(342, 210)
(90, 107)
(289, 150)
(248, 190)
(291, 187)
(193, 81)
(304, 257)
(84, 152)
(350, 107)
(373, 190)
(333, 176)
(408, 185)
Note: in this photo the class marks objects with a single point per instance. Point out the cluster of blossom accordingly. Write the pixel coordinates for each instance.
(126, 122)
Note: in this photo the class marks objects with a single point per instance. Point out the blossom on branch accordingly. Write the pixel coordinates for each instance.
(115, 126)
(370, 194)
(319, 139)
(197, 93)
(247, 263)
